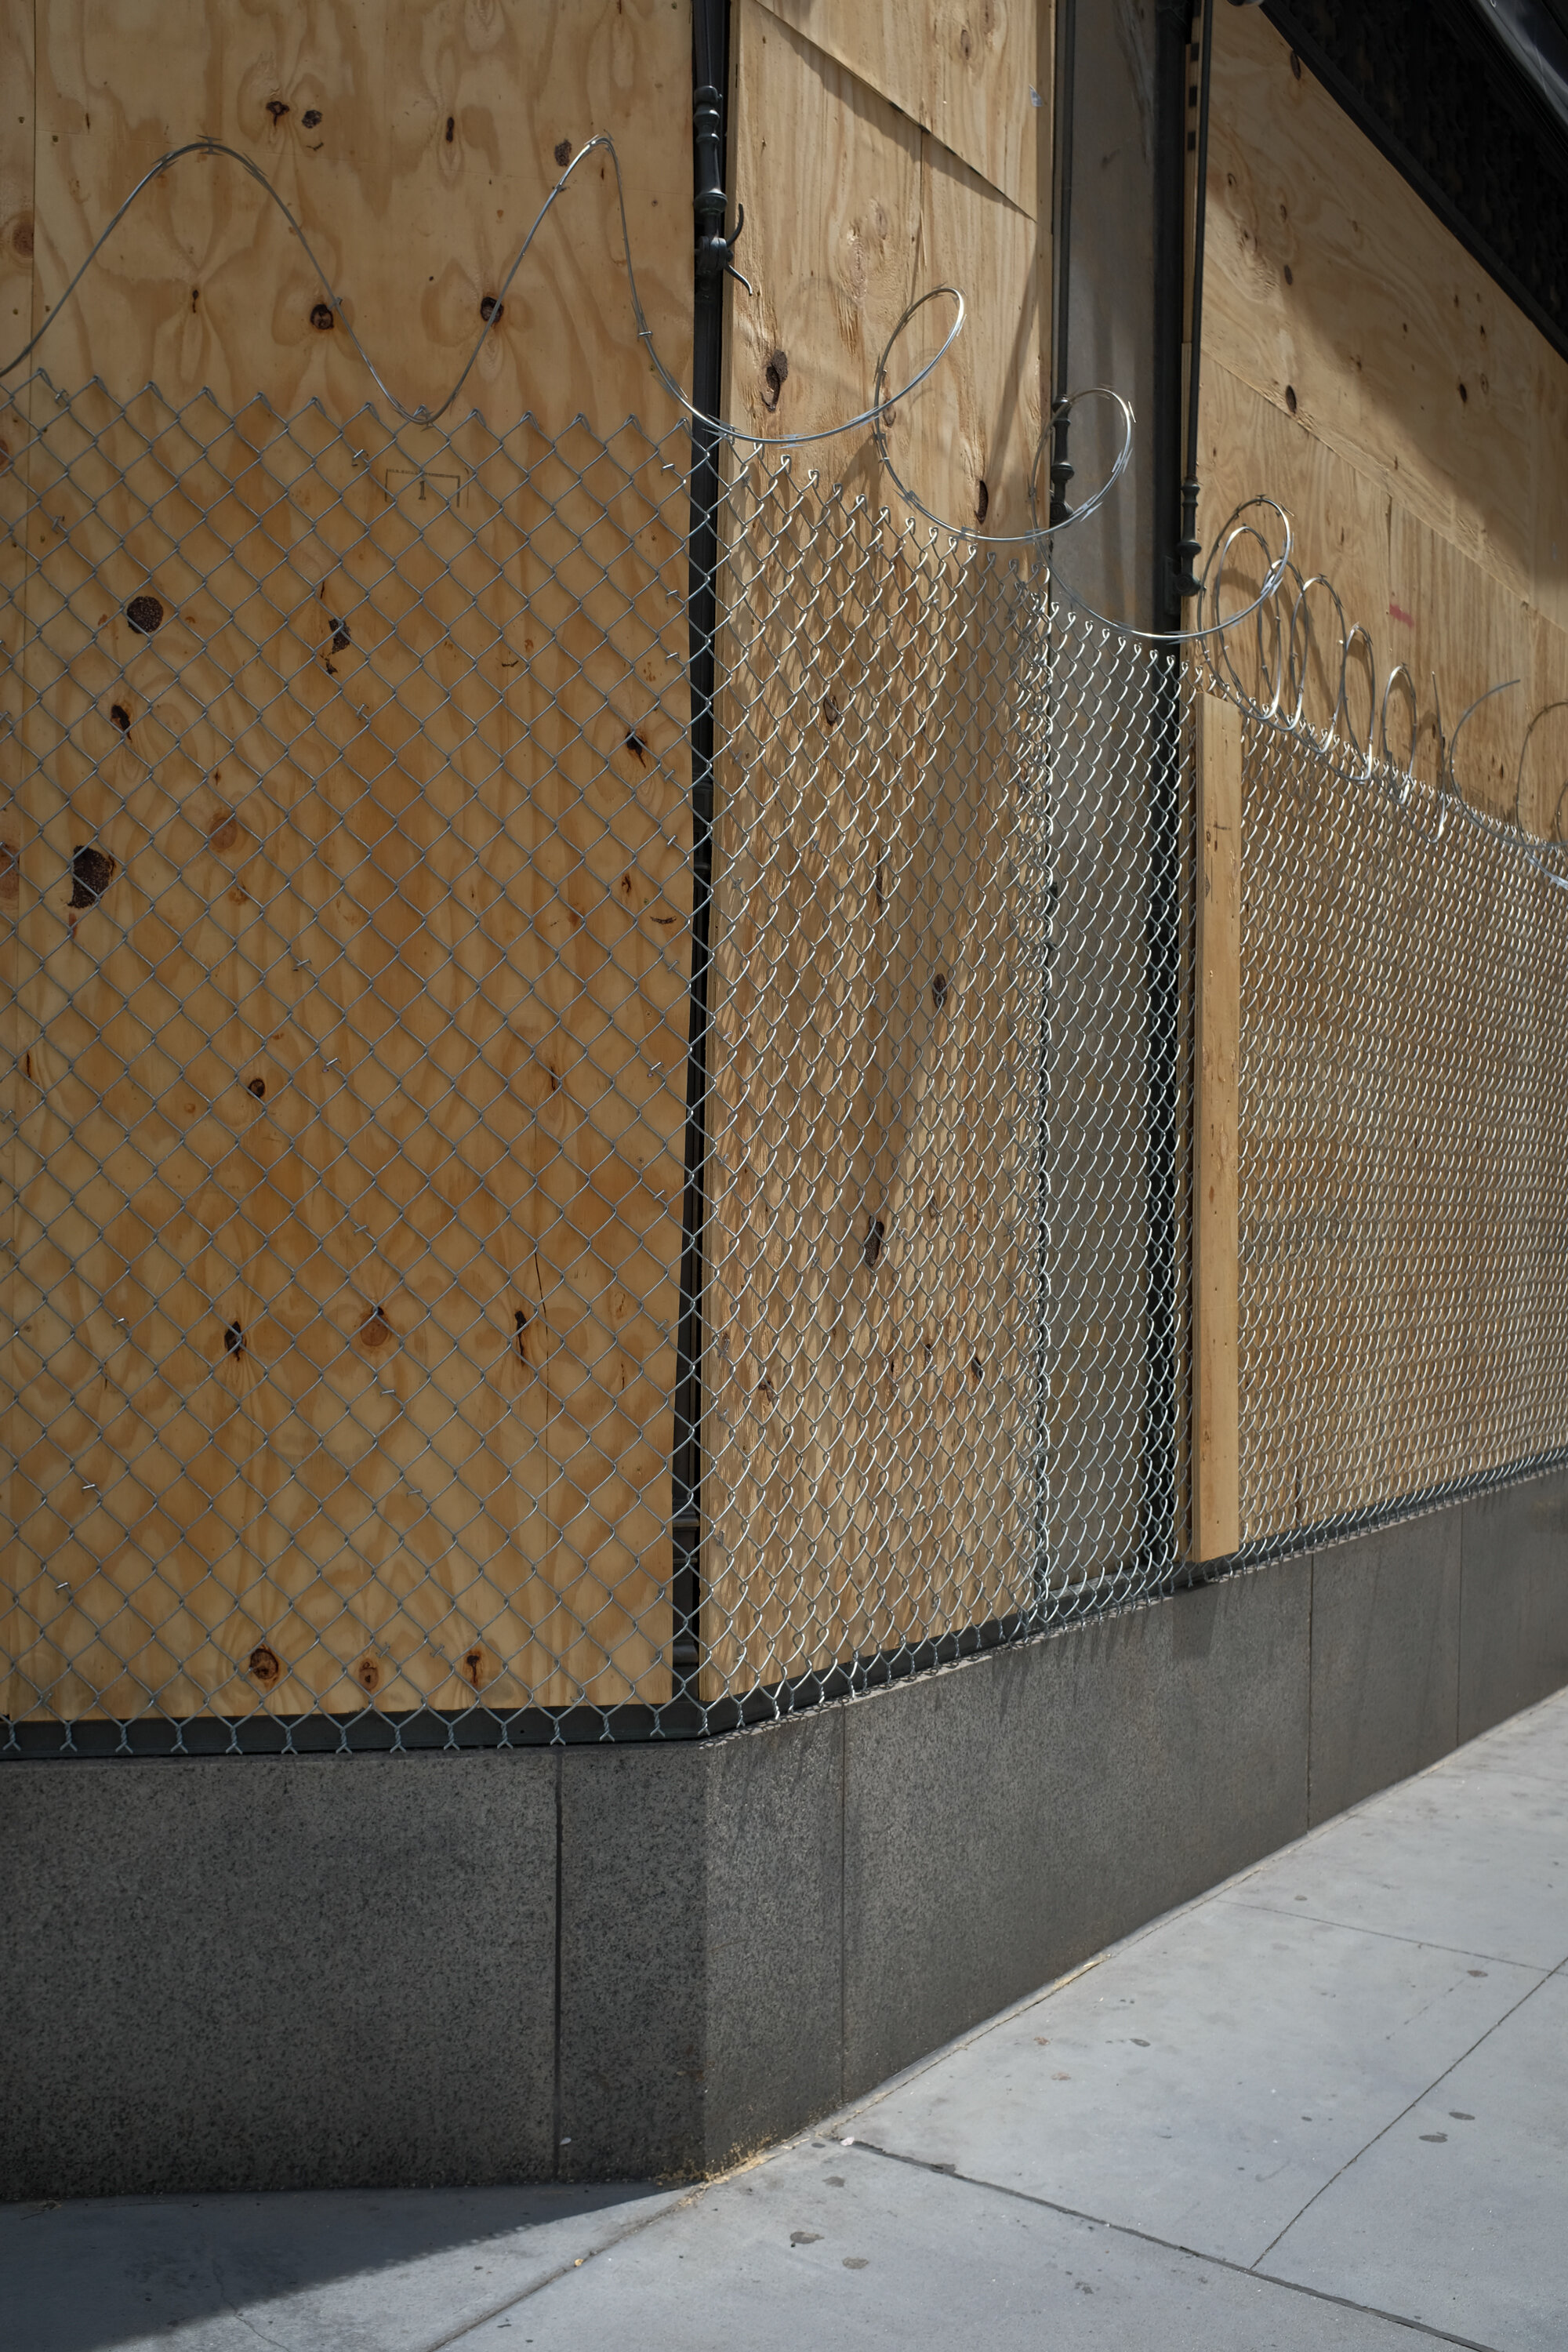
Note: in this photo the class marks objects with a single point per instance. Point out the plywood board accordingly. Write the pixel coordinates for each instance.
(1340, 527)
(867, 1369)
(350, 937)
(866, 1377)
(967, 75)
(1332, 288)
(354, 1066)
(1217, 1526)
(854, 212)
(971, 433)
(415, 147)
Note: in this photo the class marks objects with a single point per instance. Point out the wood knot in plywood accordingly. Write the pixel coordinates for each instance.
(775, 377)
(982, 499)
(323, 317)
(234, 1340)
(563, 152)
(476, 1667)
(367, 1674)
(939, 991)
(22, 236)
(276, 108)
(225, 831)
(341, 637)
(831, 713)
(375, 1331)
(120, 715)
(310, 116)
(10, 873)
(491, 308)
(145, 615)
(92, 871)
(873, 1249)
(263, 1664)
(257, 1087)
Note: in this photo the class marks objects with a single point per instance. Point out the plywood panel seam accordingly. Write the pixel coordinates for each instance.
(927, 129)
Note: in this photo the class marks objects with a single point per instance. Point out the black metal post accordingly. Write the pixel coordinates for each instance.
(1066, 72)
(709, 71)
(1162, 921)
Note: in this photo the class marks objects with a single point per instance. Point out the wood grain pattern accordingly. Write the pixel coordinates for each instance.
(1216, 1510)
(415, 143)
(1424, 605)
(1332, 289)
(351, 940)
(16, 136)
(867, 1370)
(961, 72)
(863, 212)
(867, 1375)
(16, 240)
(354, 1070)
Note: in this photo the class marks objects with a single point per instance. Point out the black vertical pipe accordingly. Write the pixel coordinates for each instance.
(1189, 545)
(1162, 919)
(1173, 61)
(1065, 78)
(710, 79)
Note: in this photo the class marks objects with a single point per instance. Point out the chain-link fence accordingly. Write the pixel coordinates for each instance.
(499, 1254)
(1404, 1143)
(354, 882)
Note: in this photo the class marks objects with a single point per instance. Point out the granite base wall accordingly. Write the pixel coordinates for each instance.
(259, 1973)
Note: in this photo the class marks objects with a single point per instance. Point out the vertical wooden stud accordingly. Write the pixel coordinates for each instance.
(1217, 1493)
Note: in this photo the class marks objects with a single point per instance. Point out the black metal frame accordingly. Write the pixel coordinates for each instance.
(712, 253)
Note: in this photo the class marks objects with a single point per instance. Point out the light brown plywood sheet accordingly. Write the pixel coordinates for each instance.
(350, 1211)
(1340, 527)
(853, 212)
(1333, 288)
(866, 1377)
(963, 73)
(416, 144)
(351, 1072)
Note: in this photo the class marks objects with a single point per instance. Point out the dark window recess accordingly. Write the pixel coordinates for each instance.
(1433, 86)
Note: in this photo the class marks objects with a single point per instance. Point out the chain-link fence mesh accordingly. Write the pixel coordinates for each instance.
(352, 884)
(1404, 1144)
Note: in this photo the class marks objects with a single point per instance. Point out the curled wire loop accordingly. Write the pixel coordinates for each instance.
(1549, 865)
(884, 407)
(1356, 632)
(1285, 642)
(1401, 792)
(600, 143)
(1263, 609)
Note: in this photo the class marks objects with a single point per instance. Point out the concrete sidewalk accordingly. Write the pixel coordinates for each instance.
(1326, 2104)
